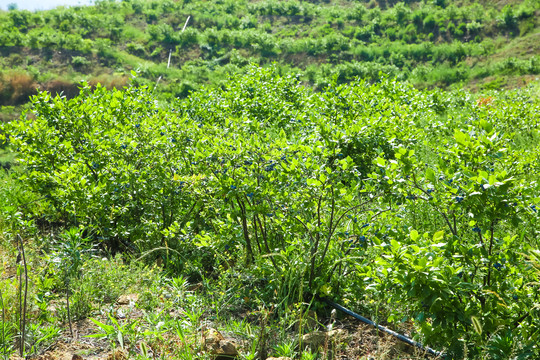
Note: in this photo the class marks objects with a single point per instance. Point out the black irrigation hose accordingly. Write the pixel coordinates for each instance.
(385, 329)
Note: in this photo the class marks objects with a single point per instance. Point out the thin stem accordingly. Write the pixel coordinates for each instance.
(520, 319)
(265, 239)
(67, 306)
(452, 229)
(315, 246)
(305, 227)
(263, 232)
(19, 298)
(330, 223)
(249, 250)
(23, 319)
(4, 347)
(489, 253)
(256, 234)
(351, 209)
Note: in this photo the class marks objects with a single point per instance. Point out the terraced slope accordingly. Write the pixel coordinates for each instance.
(479, 44)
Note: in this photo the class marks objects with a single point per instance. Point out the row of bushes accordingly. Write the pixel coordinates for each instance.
(452, 22)
(18, 85)
(427, 201)
(359, 44)
(256, 41)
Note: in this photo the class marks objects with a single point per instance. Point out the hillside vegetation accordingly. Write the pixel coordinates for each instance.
(433, 43)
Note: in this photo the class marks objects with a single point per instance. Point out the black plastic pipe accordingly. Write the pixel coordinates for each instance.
(384, 329)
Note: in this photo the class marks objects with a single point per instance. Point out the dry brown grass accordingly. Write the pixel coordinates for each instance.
(16, 87)
(61, 86)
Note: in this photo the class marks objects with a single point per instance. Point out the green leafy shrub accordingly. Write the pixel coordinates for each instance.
(79, 61)
(136, 48)
(360, 191)
(478, 194)
(103, 280)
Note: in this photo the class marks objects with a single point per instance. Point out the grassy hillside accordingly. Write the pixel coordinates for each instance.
(480, 44)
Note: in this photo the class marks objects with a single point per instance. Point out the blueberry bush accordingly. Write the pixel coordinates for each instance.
(424, 200)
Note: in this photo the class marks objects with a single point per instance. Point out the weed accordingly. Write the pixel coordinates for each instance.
(104, 280)
(6, 339)
(123, 334)
(41, 336)
(80, 306)
(286, 349)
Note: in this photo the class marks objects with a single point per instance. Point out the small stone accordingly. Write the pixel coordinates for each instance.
(317, 339)
(118, 354)
(212, 337)
(127, 299)
(227, 348)
(314, 340)
(77, 357)
(217, 345)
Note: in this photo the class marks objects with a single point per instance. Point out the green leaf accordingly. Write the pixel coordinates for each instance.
(326, 289)
(461, 138)
(476, 325)
(486, 126)
(144, 348)
(414, 235)
(120, 338)
(438, 236)
(430, 175)
(483, 174)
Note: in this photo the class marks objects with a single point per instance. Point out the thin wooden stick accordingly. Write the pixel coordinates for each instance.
(170, 52)
(185, 25)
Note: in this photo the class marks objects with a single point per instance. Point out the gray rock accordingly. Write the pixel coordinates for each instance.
(216, 344)
(318, 339)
